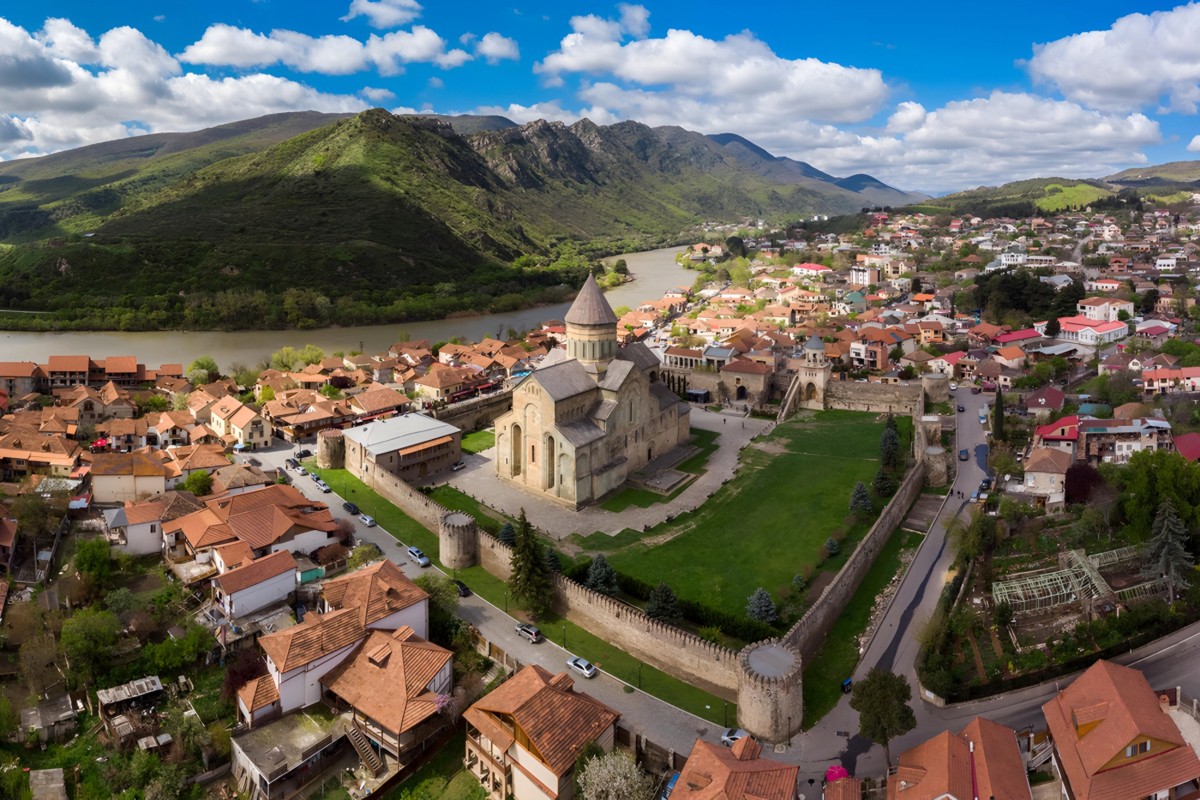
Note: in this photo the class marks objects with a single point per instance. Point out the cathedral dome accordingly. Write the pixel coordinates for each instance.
(590, 307)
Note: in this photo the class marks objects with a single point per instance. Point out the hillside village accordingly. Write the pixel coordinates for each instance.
(199, 589)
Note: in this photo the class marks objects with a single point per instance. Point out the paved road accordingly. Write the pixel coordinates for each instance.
(663, 723)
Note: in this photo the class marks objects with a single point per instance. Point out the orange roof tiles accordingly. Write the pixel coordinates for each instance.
(258, 693)
(137, 464)
(387, 678)
(716, 772)
(376, 591)
(256, 571)
(318, 636)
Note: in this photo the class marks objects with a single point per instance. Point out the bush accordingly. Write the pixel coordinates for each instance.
(832, 547)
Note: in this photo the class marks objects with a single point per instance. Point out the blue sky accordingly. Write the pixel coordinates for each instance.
(936, 96)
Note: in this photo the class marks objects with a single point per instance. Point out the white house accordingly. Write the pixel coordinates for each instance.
(136, 528)
(1103, 309)
(385, 597)
(298, 657)
(257, 584)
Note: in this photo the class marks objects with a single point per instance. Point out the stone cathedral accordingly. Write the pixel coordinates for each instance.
(591, 416)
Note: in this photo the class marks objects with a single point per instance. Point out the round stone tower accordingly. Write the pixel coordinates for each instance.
(458, 538)
(591, 327)
(936, 466)
(331, 449)
(936, 386)
(770, 701)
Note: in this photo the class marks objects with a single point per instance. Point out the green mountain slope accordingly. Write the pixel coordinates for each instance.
(310, 219)
(1022, 198)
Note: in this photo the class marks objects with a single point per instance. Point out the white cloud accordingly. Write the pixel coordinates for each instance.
(1194, 145)
(1139, 61)
(907, 117)
(435, 82)
(124, 84)
(384, 13)
(421, 44)
(377, 95)
(495, 48)
(734, 73)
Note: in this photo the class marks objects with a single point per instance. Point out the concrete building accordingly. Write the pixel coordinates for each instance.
(412, 447)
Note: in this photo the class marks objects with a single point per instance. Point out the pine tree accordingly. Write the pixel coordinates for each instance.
(890, 424)
(998, 421)
(663, 605)
(832, 547)
(884, 484)
(860, 499)
(889, 447)
(530, 581)
(507, 534)
(553, 562)
(602, 577)
(761, 607)
(1166, 555)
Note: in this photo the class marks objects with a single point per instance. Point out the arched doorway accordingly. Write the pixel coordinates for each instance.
(741, 392)
(810, 392)
(551, 463)
(518, 452)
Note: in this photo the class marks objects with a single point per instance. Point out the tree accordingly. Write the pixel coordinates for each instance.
(153, 403)
(881, 700)
(246, 665)
(832, 547)
(198, 483)
(93, 559)
(530, 581)
(884, 484)
(266, 395)
(207, 365)
(507, 534)
(1053, 328)
(362, 555)
(889, 448)
(10, 720)
(186, 729)
(663, 605)
(1004, 613)
(121, 601)
(1081, 479)
(760, 606)
(1166, 555)
(602, 577)
(615, 776)
(443, 608)
(88, 639)
(34, 514)
(553, 562)
(860, 499)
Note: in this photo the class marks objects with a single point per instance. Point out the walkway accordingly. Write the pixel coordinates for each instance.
(479, 480)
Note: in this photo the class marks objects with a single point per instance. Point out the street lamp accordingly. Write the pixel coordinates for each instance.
(564, 627)
(506, 601)
(639, 675)
(725, 714)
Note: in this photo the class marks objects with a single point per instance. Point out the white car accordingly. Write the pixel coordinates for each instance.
(420, 558)
(582, 666)
(953, 387)
(367, 520)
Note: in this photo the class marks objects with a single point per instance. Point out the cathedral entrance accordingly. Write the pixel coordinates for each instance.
(518, 453)
(741, 393)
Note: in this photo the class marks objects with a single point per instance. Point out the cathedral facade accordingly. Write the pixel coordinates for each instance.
(587, 419)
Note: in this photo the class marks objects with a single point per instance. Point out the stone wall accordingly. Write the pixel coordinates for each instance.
(413, 503)
(810, 631)
(879, 397)
(477, 413)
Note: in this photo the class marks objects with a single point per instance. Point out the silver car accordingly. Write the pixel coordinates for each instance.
(582, 666)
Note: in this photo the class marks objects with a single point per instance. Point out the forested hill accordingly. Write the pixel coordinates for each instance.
(311, 219)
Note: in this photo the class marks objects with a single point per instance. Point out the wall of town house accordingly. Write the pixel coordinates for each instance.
(260, 595)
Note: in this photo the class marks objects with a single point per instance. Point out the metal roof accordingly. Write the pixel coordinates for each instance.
(398, 433)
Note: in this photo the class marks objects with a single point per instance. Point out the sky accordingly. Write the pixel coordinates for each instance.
(936, 96)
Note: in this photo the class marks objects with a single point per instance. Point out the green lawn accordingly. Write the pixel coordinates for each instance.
(838, 656)
(772, 521)
(443, 777)
(478, 441)
(489, 587)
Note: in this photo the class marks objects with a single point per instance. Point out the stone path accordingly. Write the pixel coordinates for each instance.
(479, 480)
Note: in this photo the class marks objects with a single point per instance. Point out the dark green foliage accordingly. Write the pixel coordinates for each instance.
(172, 655)
(832, 547)
(889, 449)
(761, 607)
(601, 576)
(1166, 554)
(698, 614)
(881, 700)
(198, 483)
(530, 582)
(884, 484)
(507, 534)
(1004, 614)
(553, 562)
(860, 499)
(663, 605)
(88, 639)
(1053, 327)
(998, 418)
(93, 559)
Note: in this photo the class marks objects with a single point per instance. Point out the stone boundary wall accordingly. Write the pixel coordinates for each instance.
(412, 502)
(676, 652)
(810, 631)
(477, 413)
(878, 397)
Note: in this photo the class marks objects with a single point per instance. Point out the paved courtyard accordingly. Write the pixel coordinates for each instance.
(479, 480)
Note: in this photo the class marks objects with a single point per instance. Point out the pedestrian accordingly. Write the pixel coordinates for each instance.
(724, 421)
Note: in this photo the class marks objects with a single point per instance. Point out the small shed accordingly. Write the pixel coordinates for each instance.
(47, 784)
(53, 720)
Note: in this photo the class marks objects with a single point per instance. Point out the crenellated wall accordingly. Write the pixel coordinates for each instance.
(770, 690)
(897, 398)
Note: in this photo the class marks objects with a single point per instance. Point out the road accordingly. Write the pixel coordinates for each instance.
(661, 722)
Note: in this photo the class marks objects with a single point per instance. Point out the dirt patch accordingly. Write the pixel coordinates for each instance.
(817, 586)
(21, 621)
(772, 446)
(150, 582)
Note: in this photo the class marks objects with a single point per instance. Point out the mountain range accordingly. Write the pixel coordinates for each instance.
(385, 217)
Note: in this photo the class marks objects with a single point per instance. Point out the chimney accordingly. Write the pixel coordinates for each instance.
(1164, 702)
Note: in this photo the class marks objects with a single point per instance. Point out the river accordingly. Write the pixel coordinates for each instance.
(655, 271)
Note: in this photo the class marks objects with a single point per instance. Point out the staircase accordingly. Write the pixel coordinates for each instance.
(365, 753)
(1040, 754)
(788, 399)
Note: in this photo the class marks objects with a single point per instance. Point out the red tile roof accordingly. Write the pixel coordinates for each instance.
(258, 693)
(375, 591)
(318, 636)
(255, 572)
(716, 772)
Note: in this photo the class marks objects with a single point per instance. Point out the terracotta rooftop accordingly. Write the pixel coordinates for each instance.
(258, 693)
(389, 676)
(319, 635)
(256, 571)
(555, 719)
(716, 772)
(137, 464)
(375, 592)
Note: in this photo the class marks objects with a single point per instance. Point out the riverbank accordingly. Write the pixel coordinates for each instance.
(655, 271)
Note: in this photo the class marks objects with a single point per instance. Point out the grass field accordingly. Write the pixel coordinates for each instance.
(478, 441)
(443, 777)
(770, 523)
(1057, 196)
(836, 659)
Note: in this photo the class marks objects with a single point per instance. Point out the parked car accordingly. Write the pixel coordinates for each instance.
(975, 390)
(961, 409)
(582, 666)
(323, 486)
(292, 463)
(457, 465)
(301, 470)
(463, 589)
(416, 555)
(953, 386)
(367, 520)
(670, 787)
(530, 632)
(351, 508)
(731, 735)
(985, 485)
(254, 462)
(304, 454)
(964, 455)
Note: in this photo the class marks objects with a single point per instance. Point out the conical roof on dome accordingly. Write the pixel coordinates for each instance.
(590, 307)
(814, 343)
